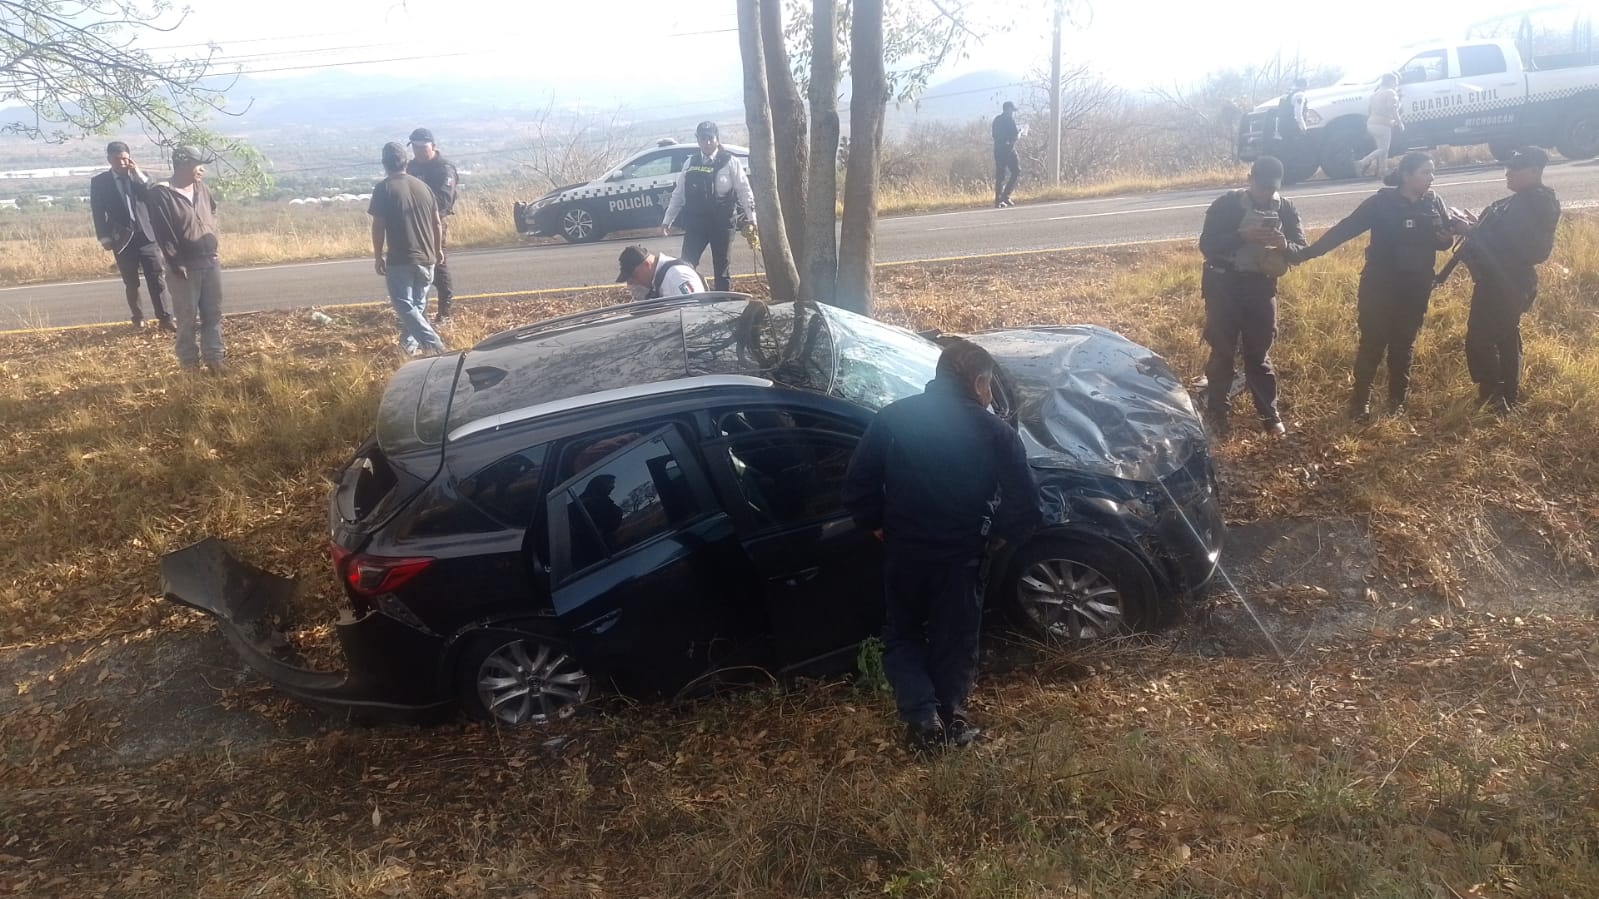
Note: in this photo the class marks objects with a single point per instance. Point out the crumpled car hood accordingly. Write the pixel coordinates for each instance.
(1090, 399)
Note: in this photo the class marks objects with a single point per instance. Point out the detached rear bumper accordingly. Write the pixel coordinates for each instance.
(391, 667)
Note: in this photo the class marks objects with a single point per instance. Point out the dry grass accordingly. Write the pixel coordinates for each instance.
(1448, 757)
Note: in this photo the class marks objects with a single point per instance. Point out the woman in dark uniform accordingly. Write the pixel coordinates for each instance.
(1409, 227)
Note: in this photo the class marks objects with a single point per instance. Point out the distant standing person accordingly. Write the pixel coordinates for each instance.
(1007, 165)
(1382, 120)
(1291, 113)
(406, 220)
(1248, 239)
(439, 174)
(710, 189)
(122, 223)
(1502, 251)
(1409, 226)
(184, 215)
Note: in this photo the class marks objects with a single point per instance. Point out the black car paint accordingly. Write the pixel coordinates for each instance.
(793, 599)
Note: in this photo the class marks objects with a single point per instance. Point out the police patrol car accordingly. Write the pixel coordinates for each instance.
(1518, 80)
(630, 197)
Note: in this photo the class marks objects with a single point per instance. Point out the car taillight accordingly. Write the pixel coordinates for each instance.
(369, 576)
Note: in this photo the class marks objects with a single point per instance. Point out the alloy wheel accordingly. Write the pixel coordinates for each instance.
(516, 686)
(577, 224)
(1071, 601)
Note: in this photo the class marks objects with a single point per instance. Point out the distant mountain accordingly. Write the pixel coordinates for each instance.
(976, 95)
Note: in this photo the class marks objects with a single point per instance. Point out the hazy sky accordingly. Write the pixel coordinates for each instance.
(595, 50)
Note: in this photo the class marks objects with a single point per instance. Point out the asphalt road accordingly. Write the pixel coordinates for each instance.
(1150, 218)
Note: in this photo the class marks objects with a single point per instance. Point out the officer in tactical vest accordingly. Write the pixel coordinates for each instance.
(1249, 237)
(440, 175)
(710, 189)
(1502, 249)
(650, 276)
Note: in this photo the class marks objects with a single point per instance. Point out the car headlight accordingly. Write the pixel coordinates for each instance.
(1312, 117)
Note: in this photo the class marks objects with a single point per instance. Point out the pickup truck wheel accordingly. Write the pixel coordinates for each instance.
(1300, 166)
(578, 225)
(1581, 137)
(1343, 148)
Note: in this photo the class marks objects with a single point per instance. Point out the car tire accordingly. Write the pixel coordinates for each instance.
(1579, 139)
(1344, 147)
(515, 678)
(579, 224)
(1082, 591)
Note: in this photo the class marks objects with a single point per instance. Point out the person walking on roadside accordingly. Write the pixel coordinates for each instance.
(941, 481)
(1382, 120)
(1248, 239)
(1291, 114)
(710, 189)
(1502, 250)
(1409, 227)
(122, 224)
(650, 276)
(440, 176)
(406, 220)
(1007, 165)
(184, 216)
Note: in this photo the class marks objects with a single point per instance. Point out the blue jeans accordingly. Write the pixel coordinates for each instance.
(408, 292)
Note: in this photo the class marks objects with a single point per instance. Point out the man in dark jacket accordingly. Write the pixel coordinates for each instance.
(1007, 165)
(942, 481)
(122, 224)
(439, 174)
(1502, 252)
(1248, 238)
(185, 218)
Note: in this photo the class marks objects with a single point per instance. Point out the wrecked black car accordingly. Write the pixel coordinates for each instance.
(646, 497)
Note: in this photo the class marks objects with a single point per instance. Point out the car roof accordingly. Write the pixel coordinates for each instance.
(619, 352)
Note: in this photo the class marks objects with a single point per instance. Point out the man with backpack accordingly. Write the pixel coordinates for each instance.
(650, 276)
(710, 189)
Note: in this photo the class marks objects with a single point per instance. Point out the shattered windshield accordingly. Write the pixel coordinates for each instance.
(878, 363)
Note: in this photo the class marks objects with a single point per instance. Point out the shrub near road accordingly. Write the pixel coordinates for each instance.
(1445, 751)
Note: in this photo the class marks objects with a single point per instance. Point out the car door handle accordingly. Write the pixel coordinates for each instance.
(803, 576)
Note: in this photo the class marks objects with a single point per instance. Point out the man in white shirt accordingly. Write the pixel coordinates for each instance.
(711, 186)
(650, 276)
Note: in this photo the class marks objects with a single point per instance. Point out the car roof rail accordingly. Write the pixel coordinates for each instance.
(604, 313)
(668, 387)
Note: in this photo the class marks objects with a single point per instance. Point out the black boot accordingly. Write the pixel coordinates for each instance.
(1486, 394)
(1360, 402)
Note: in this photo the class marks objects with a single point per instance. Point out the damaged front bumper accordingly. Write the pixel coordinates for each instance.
(391, 668)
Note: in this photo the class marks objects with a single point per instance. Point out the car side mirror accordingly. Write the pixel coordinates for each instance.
(615, 176)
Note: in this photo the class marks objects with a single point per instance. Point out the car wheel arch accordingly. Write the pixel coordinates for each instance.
(1148, 602)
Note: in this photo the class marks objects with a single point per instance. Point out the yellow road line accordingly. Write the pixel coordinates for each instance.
(544, 291)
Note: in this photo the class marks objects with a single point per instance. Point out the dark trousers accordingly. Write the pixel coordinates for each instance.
(1493, 339)
(441, 277)
(935, 613)
(1238, 310)
(1007, 169)
(719, 237)
(145, 255)
(1391, 308)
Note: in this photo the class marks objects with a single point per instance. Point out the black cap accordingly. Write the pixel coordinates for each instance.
(1267, 172)
(394, 157)
(1527, 158)
(187, 155)
(706, 129)
(422, 136)
(629, 260)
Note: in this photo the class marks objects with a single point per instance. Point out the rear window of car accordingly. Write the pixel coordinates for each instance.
(509, 488)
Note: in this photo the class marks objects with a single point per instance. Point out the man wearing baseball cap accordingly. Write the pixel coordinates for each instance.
(711, 187)
(1503, 248)
(428, 164)
(1007, 165)
(650, 276)
(1249, 236)
(183, 215)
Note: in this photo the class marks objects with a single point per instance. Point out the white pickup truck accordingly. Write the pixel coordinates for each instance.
(1472, 92)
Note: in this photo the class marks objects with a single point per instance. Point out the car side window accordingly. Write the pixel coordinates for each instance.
(1483, 59)
(509, 488)
(624, 500)
(733, 422)
(1430, 66)
(681, 157)
(650, 166)
(789, 478)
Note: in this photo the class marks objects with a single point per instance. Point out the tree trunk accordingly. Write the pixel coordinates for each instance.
(781, 275)
(868, 104)
(788, 128)
(821, 198)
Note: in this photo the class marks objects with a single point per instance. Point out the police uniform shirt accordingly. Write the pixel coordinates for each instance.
(731, 179)
(1406, 235)
(1514, 235)
(679, 280)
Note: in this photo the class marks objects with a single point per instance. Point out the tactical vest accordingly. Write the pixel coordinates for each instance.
(699, 190)
(660, 277)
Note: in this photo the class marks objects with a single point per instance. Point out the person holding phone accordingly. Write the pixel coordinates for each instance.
(1410, 226)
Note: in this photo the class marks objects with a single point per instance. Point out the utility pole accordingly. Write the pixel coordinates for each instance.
(1054, 94)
